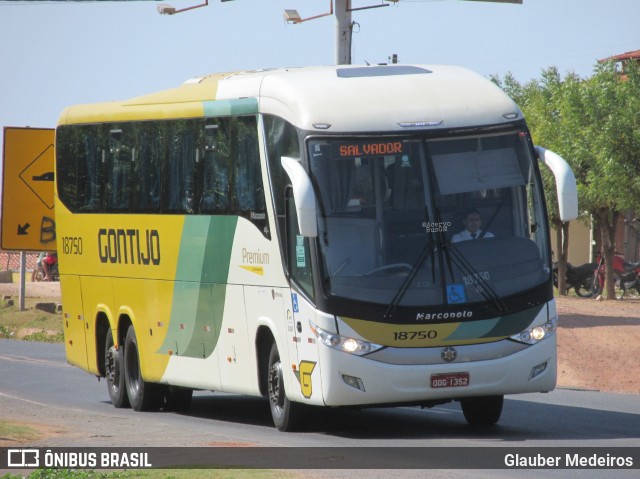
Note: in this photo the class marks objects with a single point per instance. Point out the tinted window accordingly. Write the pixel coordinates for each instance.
(188, 166)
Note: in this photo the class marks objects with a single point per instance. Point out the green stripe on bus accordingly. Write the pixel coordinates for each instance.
(496, 327)
(200, 288)
(205, 248)
(242, 106)
(473, 329)
(514, 323)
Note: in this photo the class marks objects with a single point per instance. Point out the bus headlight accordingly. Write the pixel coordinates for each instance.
(358, 347)
(537, 333)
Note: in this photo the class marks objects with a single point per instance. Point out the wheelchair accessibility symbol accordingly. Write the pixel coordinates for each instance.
(456, 294)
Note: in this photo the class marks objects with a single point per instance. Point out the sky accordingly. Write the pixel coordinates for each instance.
(56, 54)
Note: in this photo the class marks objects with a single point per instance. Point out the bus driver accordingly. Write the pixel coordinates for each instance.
(472, 221)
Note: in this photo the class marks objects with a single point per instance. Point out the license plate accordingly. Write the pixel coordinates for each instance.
(449, 380)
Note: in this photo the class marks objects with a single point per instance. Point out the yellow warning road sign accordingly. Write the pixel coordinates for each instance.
(28, 222)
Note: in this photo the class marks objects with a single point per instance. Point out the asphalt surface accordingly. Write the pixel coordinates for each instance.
(37, 386)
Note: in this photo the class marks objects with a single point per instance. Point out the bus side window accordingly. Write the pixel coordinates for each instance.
(248, 195)
(146, 168)
(298, 253)
(119, 173)
(215, 169)
(181, 168)
(90, 170)
(248, 187)
(71, 166)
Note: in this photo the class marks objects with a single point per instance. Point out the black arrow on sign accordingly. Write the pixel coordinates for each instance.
(22, 230)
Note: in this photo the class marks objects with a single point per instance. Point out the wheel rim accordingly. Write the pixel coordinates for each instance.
(112, 365)
(112, 369)
(276, 389)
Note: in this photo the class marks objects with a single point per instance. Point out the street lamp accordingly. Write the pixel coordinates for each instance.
(164, 9)
(292, 16)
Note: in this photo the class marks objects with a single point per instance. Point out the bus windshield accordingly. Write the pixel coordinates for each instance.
(415, 222)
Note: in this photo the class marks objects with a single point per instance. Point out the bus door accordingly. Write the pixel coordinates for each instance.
(304, 348)
(300, 312)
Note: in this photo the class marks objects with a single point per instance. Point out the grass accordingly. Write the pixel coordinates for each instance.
(31, 324)
(17, 432)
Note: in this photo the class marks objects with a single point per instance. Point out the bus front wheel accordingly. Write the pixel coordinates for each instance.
(143, 395)
(287, 415)
(482, 411)
(114, 373)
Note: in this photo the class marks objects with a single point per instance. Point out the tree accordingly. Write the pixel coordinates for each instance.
(610, 176)
(594, 124)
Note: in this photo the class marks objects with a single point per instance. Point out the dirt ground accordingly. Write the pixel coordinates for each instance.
(598, 341)
(599, 344)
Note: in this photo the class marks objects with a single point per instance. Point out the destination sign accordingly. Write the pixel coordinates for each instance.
(357, 149)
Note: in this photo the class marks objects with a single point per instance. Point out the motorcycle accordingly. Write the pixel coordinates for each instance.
(626, 274)
(628, 281)
(580, 278)
(38, 273)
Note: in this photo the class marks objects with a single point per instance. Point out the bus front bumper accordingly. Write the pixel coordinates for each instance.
(349, 380)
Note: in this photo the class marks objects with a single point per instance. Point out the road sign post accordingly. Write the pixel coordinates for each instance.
(28, 222)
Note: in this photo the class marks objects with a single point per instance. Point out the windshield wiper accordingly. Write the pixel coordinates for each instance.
(393, 305)
(481, 284)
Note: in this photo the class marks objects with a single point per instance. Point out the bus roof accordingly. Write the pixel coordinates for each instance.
(334, 98)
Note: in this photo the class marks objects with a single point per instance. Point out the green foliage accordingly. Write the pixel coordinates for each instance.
(44, 337)
(15, 322)
(6, 332)
(594, 124)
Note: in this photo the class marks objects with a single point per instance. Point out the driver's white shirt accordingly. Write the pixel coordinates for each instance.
(466, 236)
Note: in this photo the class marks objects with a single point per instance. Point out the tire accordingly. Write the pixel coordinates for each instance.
(482, 411)
(287, 415)
(585, 290)
(143, 395)
(595, 284)
(114, 373)
(37, 275)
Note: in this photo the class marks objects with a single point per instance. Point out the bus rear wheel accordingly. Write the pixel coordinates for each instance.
(114, 373)
(287, 415)
(143, 395)
(482, 411)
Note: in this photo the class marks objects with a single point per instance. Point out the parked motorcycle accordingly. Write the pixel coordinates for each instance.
(38, 273)
(626, 274)
(628, 281)
(580, 278)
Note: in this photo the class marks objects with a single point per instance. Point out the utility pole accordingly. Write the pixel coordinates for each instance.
(342, 9)
(344, 32)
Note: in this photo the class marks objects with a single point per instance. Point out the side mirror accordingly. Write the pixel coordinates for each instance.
(565, 183)
(303, 195)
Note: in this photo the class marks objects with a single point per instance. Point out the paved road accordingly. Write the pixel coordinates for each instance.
(37, 386)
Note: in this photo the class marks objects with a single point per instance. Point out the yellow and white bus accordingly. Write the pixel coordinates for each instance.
(289, 233)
